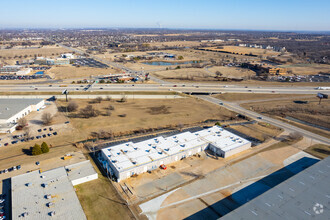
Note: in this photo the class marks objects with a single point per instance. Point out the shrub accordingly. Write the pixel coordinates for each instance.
(72, 106)
(36, 150)
(46, 118)
(44, 147)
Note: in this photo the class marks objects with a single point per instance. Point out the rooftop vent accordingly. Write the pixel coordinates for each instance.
(7, 109)
(28, 184)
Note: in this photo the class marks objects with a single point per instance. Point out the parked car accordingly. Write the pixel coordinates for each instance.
(38, 137)
(6, 144)
(44, 136)
(55, 133)
(18, 167)
(49, 134)
(50, 128)
(39, 130)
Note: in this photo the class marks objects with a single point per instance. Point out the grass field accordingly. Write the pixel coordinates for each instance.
(68, 72)
(191, 74)
(311, 112)
(145, 114)
(260, 131)
(319, 150)
(47, 51)
(307, 69)
(232, 72)
(245, 50)
(100, 200)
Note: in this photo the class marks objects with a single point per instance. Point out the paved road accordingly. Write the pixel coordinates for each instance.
(187, 88)
(236, 108)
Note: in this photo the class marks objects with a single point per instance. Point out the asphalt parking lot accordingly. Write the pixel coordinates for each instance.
(89, 62)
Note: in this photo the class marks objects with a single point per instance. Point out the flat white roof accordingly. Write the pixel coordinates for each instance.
(128, 155)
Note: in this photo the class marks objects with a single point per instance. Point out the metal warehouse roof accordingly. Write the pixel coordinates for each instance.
(36, 196)
(303, 196)
(10, 107)
(129, 155)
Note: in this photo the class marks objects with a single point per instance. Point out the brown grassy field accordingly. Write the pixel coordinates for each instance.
(246, 50)
(191, 74)
(68, 72)
(144, 114)
(260, 131)
(311, 112)
(100, 200)
(319, 150)
(47, 51)
(232, 72)
(307, 69)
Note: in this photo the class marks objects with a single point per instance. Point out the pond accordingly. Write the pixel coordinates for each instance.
(162, 63)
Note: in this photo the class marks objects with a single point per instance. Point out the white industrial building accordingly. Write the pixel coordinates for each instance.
(50, 194)
(11, 110)
(128, 159)
(23, 71)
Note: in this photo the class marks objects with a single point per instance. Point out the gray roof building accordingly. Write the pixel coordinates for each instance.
(306, 195)
(50, 195)
(10, 107)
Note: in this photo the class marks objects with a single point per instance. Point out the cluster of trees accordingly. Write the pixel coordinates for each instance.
(37, 149)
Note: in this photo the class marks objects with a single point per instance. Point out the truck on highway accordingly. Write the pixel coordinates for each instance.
(323, 88)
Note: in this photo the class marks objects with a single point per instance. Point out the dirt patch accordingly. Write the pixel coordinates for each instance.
(319, 150)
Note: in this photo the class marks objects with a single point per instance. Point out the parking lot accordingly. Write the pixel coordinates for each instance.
(26, 77)
(89, 62)
(36, 129)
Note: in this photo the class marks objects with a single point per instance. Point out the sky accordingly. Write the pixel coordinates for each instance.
(284, 15)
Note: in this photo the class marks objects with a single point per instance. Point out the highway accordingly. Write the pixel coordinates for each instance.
(259, 117)
(186, 88)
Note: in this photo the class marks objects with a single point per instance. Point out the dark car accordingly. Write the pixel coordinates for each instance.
(14, 142)
(45, 129)
(39, 130)
(44, 136)
(6, 144)
(49, 134)
(50, 129)
(31, 138)
(18, 167)
(67, 122)
(38, 136)
(55, 133)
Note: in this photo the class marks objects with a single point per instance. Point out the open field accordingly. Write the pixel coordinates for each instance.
(307, 69)
(319, 150)
(310, 112)
(100, 200)
(47, 51)
(232, 72)
(145, 114)
(260, 131)
(245, 50)
(190, 74)
(68, 72)
(232, 97)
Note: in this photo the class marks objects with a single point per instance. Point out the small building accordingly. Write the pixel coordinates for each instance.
(67, 56)
(11, 69)
(125, 160)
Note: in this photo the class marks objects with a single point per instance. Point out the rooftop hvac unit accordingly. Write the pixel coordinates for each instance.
(52, 213)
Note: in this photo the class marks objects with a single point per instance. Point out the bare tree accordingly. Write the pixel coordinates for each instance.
(98, 99)
(22, 122)
(89, 111)
(27, 133)
(108, 98)
(72, 106)
(108, 113)
(123, 99)
(111, 107)
(46, 118)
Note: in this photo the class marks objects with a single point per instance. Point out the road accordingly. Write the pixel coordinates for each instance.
(236, 108)
(186, 88)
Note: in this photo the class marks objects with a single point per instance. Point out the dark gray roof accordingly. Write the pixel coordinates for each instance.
(304, 196)
(10, 107)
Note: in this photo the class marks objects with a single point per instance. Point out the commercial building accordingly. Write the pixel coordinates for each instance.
(306, 195)
(50, 195)
(125, 160)
(46, 61)
(13, 109)
(10, 69)
(67, 55)
(23, 72)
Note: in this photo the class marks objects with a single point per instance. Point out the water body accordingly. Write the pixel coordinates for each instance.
(162, 63)
(39, 73)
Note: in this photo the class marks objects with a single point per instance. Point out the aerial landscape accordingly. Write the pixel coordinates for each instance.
(165, 110)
